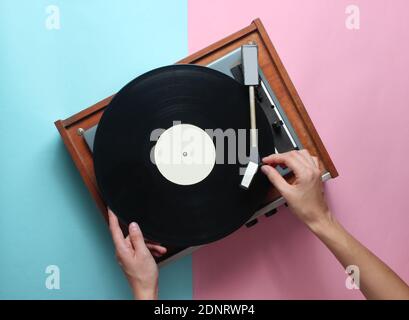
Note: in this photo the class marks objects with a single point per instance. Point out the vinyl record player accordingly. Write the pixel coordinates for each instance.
(285, 116)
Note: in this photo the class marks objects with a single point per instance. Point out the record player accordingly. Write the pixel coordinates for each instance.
(92, 135)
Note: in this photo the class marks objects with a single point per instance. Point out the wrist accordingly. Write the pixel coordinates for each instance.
(145, 294)
(141, 292)
(323, 225)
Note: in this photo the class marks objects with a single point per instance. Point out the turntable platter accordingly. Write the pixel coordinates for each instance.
(164, 155)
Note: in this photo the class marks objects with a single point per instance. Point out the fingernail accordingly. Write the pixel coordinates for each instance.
(133, 225)
(265, 169)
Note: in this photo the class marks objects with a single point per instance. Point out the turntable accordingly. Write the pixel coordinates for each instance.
(109, 143)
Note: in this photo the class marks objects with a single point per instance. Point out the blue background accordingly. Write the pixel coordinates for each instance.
(47, 215)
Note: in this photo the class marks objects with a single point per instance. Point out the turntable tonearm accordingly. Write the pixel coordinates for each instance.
(291, 124)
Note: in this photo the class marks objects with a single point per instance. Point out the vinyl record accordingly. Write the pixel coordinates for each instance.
(178, 204)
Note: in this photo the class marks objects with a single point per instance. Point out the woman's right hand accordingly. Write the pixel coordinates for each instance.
(305, 196)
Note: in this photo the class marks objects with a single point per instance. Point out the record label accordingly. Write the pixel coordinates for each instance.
(185, 154)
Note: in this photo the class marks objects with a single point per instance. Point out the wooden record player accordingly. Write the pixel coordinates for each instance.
(297, 123)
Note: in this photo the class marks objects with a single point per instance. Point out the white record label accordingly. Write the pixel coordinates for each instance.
(185, 154)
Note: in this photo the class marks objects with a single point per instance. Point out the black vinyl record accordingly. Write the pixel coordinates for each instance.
(134, 188)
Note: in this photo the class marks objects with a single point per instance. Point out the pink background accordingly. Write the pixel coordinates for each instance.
(355, 87)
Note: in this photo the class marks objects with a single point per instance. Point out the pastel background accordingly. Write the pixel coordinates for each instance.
(47, 215)
(353, 83)
(355, 87)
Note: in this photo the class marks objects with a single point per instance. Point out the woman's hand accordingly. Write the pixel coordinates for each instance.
(305, 196)
(135, 258)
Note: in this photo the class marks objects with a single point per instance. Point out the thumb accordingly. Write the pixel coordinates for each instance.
(136, 236)
(275, 178)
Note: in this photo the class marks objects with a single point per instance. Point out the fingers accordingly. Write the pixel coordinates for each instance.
(290, 159)
(293, 160)
(156, 249)
(116, 232)
(128, 242)
(275, 178)
(136, 236)
(156, 254)
(307, 157)
(134, 240)
(138, 241)
(316, 162)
